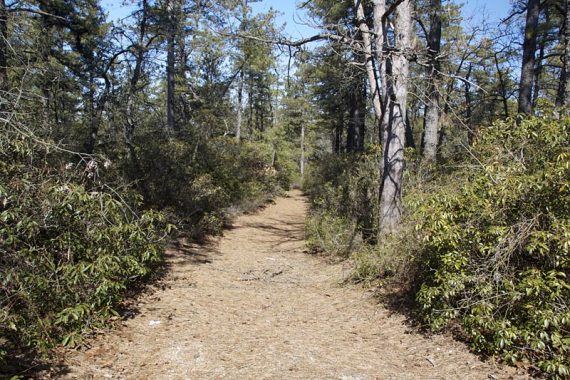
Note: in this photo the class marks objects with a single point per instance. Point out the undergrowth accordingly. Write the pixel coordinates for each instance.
(70, 245)
(495, 251)
(78, 231)
(484, 244)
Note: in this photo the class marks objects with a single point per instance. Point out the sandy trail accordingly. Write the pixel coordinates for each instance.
(252, 305)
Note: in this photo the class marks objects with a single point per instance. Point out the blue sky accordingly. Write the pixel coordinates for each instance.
(296, 20)
(298, 24)
(491, 10)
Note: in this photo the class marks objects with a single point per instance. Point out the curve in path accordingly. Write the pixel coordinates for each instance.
(252, 305)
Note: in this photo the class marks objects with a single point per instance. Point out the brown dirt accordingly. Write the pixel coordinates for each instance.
(252, 305)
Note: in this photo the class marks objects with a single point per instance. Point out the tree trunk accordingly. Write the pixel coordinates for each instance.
(357, 122)
(302, 161)
(170, 67)
(383, 63)
(352, 123)
(361, 108)
(538, 74)
(239, 106)
(410, 142)
(133, 85)
(369, 58)
(243, 29)
(528, 58)
(503, 85)
(93, 122)
(337, 138)
(563, 96)
(566, 99)
(431, 116)
(393, 155)
(3, 56)
(250, 106)
(468, 108)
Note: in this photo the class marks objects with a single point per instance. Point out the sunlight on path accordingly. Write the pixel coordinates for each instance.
(253, 305)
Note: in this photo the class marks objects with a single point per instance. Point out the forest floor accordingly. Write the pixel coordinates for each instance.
(253, 305)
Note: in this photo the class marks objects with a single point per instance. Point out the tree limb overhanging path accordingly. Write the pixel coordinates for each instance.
(253, 305)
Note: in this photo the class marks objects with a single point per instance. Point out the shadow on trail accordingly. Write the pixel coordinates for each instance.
(180, 252)
(183, 253)
(275, 234)
(186, 252)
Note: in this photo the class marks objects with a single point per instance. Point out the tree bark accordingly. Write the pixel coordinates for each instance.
(369, 58)
(538, 74)
(383, 68)
(361, 107)
(250, 106)
(243, 29)
(503, 85)
(357, 121)
(302, 160)
(528, 58)
(170, 66)
(239, 120)
(3, 56)
(352, 123)
(468, 108)
(563, 96)
(133, 85)
(395, 135)
(566, 99)
(431, 116)
(93, 121)
(410, 142)
(337, 138)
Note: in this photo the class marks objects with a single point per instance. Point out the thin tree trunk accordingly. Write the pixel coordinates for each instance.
(541, 42)
(133, 85)
(538, 74)
(410, 142)
(257, 122)
(250, 106)
(357, 123)
(93, 122)
(302, 161)
(47, 80)
(451, 83)
(170, 67)
(239, 106)
(528, 59)
(361, 109)
(243, 29)
(352, 123)
(431, 116)
(337, 138)
(503, 87)
(468, 107)
(393, 155)
(4, 87)
(563, 96)
(566, 98)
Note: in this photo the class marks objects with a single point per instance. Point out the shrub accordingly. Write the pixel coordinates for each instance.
(495, 250)
(69, 248)
(330, 234)
(344, 190)
(194, 180)
(388, 263)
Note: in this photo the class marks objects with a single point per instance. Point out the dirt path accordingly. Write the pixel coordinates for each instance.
(254, 306)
